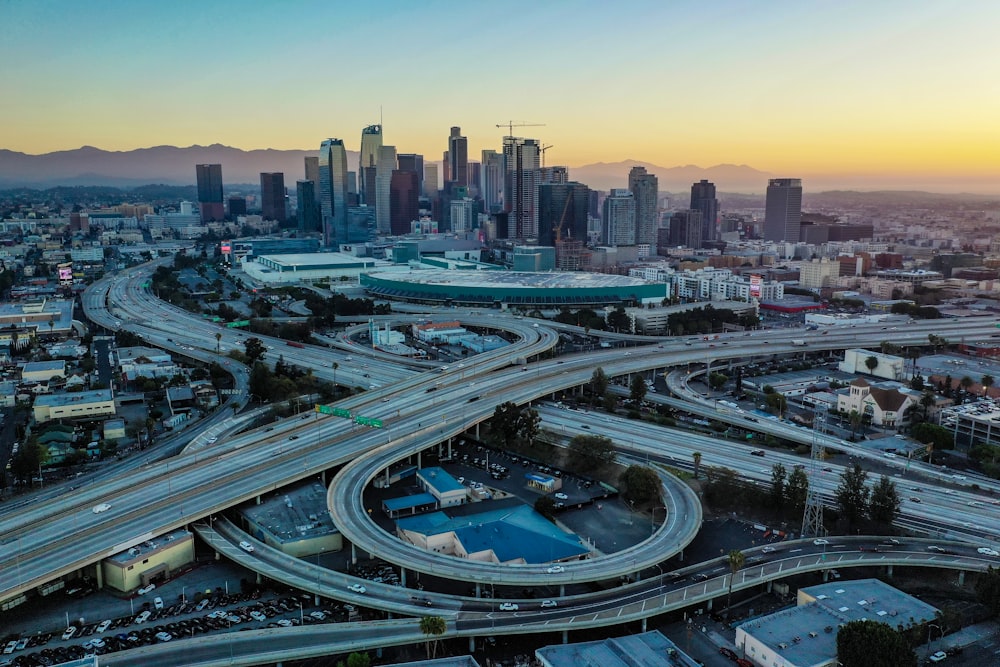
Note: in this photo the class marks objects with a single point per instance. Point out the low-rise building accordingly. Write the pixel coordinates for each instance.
(149, 561)
(295, 521)
(648, 648)
(147, 362)
(973, 423)
(78, 405)
(445, 488)
(886, 404)
(886, 366)
(35, 372)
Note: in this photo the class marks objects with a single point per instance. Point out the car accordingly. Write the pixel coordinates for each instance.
(986, 551)
(246, 546)
(701, 576)
(293, 437)
(357, 588)
(164, 636)
(729, 653)
(318, 615)
(549, 604)
(143, 617)
(103, 627)
(769, 550)
(158, 603)
(937, 550)
(757, 452)
(258, 616)
(562, 496)
(914, 499)
(508, 606)
(938, 656)
(96, 642)
(69, 633)
(146, 589)
(103, 507)
(9, 648)
(820, 542)
(555, 569)
(285, 623)
(213, 440)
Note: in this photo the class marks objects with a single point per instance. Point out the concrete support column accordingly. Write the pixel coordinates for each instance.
(218, 556)
(477, 430)
(708, 605)
(477, 590)
(315, 600)
(322, 477)
(562, 590)
(565, 636)
(387, 475)
(888, 571)
(450, 445)
(257, 500)
(354, 554)
(961, 577)
(643, 624)
(99, 575)
(472, 644)
(770, 586)
(402, 576)
(826, 576)
(420, 458)
(260, 579)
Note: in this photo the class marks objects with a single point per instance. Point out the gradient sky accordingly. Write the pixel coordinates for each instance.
(797, 88)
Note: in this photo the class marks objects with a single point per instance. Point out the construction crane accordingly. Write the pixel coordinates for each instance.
(542, 151)
(511, 124)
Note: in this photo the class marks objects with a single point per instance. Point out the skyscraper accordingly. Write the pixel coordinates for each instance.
(562, 208)
(619, 218)
(553, 175)
(371, 142)
(210, 192)
(644, 187)
(404, 195)
(412, 162)
(685, 229)
(463, 215)
(458, 157)
(272, 196)
(521, 163)
(312, 174)
(491, 181)
(333, 188)
(430, 180)
(306, 209)
(703, 199)
(783, 210)
(385, 164)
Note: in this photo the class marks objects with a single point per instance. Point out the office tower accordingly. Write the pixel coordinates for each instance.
(371, 142)
(645, 189)
(272, 196)
(333, 188)
(783, 210)
(210, 192)
(312, 174)
(430, 180)
(237, 207)
(562, 212)
(306, 208)
(385, 164)
(360, 224)
(412, 162)
(404, 196)
(491, 174)
(619, 218)
(475, 177)
(703, 199)
(685, 229)
(464, 215)
(458, 157)
(521, 164)
(553, 175)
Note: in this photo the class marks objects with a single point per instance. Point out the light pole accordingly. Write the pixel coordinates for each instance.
(940, 635)
(652, 517)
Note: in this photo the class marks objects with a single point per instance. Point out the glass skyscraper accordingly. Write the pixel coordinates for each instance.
(333, 188)
(783, 210)
(371, 142)
(703, 199)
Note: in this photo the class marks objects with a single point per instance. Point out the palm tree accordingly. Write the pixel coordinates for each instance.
(926, 402)
(855, 418)
(218, 339)
(871, 363)
(965, 383)
(987, 382)
(432, 626)
(737, 559)
(697, 462)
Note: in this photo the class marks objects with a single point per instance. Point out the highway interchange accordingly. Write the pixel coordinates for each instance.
(421, 408)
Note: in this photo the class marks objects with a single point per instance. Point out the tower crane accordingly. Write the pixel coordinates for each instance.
(542, 151)
(511, 124)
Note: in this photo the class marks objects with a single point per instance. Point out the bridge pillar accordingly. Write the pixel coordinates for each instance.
(708, 605)
(260, 579)
(770, 586)
(565, 636)
(100, 575)
(323, 477)
(402, 576)
(643, 624)
(354, 554)
(826, 576)
(472, 644)
(961, 577)
(218, 556)
(562, 590)
(477, 590)
(888, 571)
(257, 500)
(477, 430)
(420, 458)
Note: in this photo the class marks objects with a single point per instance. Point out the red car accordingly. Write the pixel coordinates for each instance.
(729, 653)
(743, 662)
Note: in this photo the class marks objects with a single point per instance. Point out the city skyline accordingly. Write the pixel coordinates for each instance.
(891, 92)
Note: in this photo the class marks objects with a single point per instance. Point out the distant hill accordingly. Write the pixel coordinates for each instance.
(728, 177)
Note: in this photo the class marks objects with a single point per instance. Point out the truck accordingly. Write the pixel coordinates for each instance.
(798, 342)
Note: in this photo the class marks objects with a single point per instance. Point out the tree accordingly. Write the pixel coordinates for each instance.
(255, 350)
(528, 422)
(618, 320)
(432, 626)
(587, 453)
(642, 484)
(852, 494)
(737, 559)
(504, 422)
(988, 589)
(797, 489)
(855, 419)
(873, 644)
(987, 382)
(937, 436)
(28, 461)
(871, 363)
(965, 383)
(637, 388)
(546, 506)
(884, 503)
(218, 340)
(599, 382)
(717, 380)
(778, 478)
(776, 402)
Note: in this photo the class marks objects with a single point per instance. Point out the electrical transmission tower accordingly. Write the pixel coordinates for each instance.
(812, 518)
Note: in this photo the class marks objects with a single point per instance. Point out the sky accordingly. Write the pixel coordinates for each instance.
(795, 88)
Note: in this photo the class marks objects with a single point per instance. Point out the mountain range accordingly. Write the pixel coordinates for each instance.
(172, 165)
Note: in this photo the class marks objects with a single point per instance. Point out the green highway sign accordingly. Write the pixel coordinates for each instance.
(238, 323)
(336, 412)
(367, 421)
(341, 412)
(324, 409)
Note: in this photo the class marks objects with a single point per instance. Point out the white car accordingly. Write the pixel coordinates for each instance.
(103, 627)
(769, 550)
(143, 617)
(246, 546)
(68, 634)
(821, 542)
(986, 551)
(357, 588)
(212, 440)
(938, 656)
(562, 496)
(146, 589)
(257, 616)
(158, 603)
(549, 604)
(10, 647)
(164, 636)
(508, 606)
(103, 507)
(555, 569)
(284, 623)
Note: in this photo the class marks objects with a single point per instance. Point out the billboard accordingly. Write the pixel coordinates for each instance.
(65, 273)
(755, 286)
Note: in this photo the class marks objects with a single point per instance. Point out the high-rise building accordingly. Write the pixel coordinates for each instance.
(430, 180)
(619, 218)
(384, 166)
(333, 188)
(491, 186)
(371, 142)
(458, 157)
(272, 196)
(783, 210)
(306, 208)
(312, 174)
(521, 164)
(685, 229)
(412, 162)
(553, 175)
(645, 188)
(464, 215)
(404, 195)
(475, 178)
(237, 206)
(562, 212)
(210, 192)
(703, 199)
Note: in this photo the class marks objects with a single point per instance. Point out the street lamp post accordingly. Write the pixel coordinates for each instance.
(652, 517)
(940, 635)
